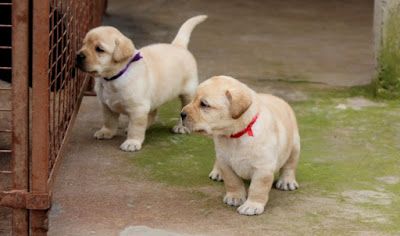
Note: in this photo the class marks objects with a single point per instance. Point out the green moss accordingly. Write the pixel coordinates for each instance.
(341, 150)
(388, 79)
(347, 150)
(183, 160)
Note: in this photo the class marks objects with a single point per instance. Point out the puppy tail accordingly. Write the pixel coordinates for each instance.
(183, 36)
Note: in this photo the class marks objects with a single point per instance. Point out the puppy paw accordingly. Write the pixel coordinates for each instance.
(215, 175)
(250, 208)
(286, 184)
(234, 199)
(104, 133)
(131, 145)
(180, 129)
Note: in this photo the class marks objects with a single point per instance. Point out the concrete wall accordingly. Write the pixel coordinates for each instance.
(381, 13)
(387, 48)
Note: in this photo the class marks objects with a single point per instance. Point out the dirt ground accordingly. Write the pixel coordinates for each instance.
(300, 50)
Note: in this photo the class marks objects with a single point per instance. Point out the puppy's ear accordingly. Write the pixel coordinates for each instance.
(240, 101)
(124, 49)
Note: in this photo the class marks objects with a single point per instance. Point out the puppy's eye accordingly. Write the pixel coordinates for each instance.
(99, 49)
(204, 104)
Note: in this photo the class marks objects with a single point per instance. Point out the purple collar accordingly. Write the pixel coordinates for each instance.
(137, 57)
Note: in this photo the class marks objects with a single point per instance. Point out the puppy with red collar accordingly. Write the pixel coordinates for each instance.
(255, 135)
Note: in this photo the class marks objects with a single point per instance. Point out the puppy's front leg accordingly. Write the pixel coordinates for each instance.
(215, 174)
(235, 190)
(110, 125)
(260, 186)
(136, 131)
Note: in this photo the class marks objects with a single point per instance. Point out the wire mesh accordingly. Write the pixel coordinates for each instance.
(5, 93)
(69, 20)
(5, 109)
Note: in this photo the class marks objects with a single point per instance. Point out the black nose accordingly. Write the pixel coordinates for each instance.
(80, 58)
(183, 115)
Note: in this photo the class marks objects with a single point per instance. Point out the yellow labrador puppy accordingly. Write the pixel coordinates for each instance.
(255, 135)
(135, 82)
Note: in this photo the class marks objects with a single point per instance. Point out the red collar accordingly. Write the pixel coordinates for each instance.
(247, 130)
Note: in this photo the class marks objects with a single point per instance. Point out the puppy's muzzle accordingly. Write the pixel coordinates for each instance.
(183, 115)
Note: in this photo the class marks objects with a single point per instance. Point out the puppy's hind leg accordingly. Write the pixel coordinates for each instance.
(151, 118)
(110, 125)
(287, 179)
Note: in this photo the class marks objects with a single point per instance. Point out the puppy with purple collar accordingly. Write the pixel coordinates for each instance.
(255, 135)
(135, 82)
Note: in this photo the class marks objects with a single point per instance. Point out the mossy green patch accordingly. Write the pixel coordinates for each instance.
(183, 160)
(388, 79)
(350, 149)
(342, 149)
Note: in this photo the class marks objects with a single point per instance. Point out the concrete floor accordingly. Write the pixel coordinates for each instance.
(312, 40)
(328, 42)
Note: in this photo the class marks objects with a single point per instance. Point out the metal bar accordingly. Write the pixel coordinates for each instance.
(40, 111)
(21, 199)
(51, 74)
(20, 107)
(6, 131)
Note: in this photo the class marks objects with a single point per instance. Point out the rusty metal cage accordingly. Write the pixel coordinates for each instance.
(40, 93)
